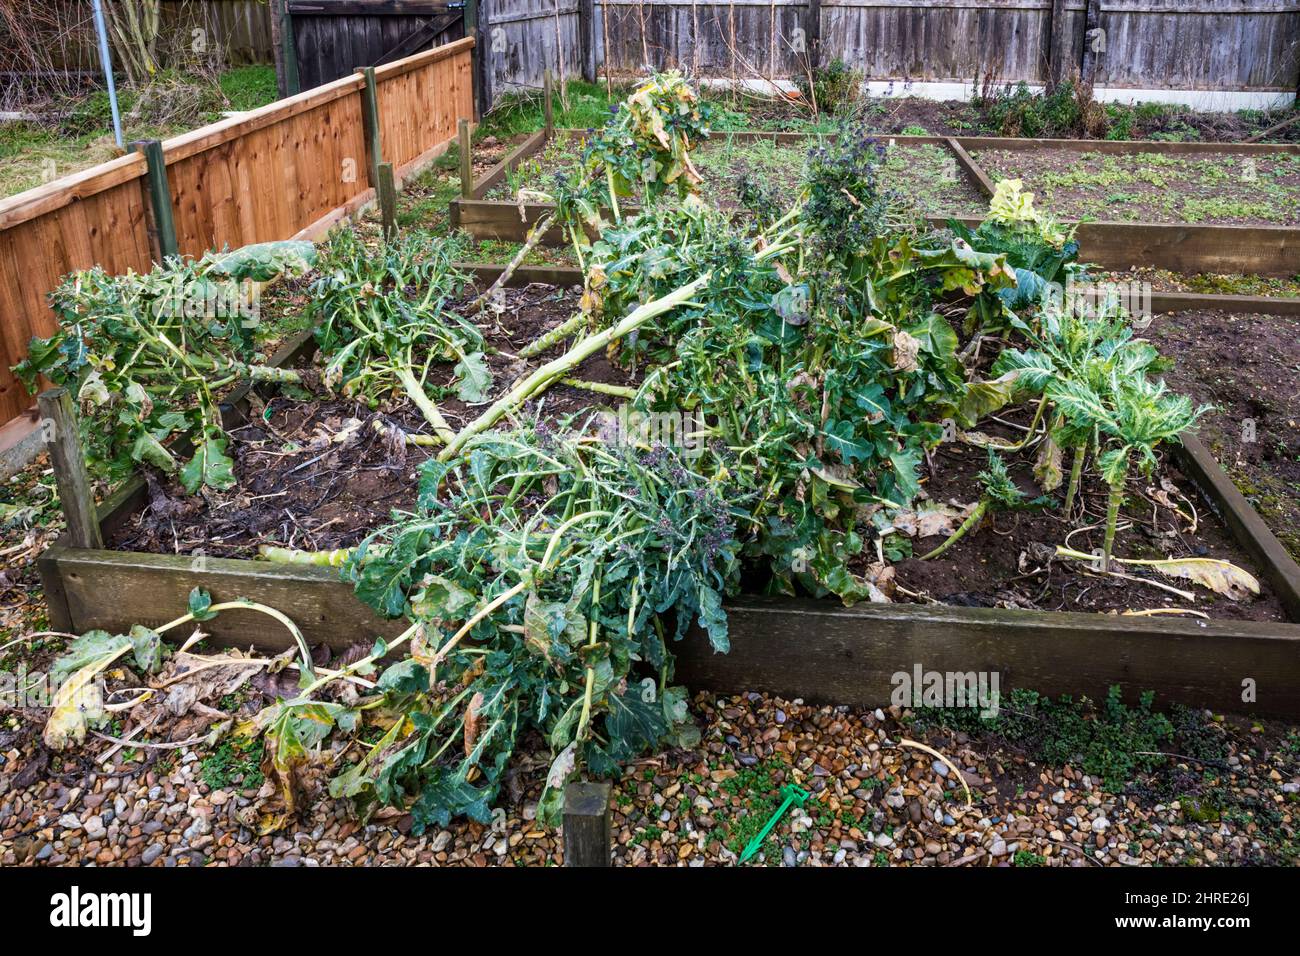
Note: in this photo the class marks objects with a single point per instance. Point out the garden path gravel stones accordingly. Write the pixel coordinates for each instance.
(874, 803)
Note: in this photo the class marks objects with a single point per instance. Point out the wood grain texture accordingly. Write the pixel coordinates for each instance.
(587, 832)
(76, 496)
(826, 653)
(1170, 44)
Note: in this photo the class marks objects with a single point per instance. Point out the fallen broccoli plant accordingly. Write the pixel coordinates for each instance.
(545, 576)
(383, 322)
(148, 354)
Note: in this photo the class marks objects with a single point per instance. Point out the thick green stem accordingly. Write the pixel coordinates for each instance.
(557, 368)
(972, 520)
(1076, 472)
(590, 683)
(1113, 502)
(549, 339)
(318, 559)
(427, 408)
(530, 242)
(601, 388)
(266, 373)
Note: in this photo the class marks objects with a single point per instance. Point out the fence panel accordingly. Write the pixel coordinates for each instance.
(289, 169)
(95, 217)
(271, 174)
(332, 38)
(421, 100)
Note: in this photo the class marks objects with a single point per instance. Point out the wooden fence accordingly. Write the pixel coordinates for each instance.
(1233, 45)
(331, 38)
(290, 169)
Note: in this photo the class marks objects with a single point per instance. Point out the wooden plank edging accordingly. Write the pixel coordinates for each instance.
(826, 653)
(817, 650)
(513, 158)
(1243, 521)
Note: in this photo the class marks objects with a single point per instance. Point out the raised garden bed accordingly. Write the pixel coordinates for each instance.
(818, 650)
(1219, 188)
(1270, 249)
(922, 172)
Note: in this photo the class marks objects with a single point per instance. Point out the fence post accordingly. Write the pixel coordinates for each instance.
(812, 34)
(548, 94)
(587, 838)
(288, 51)
(466, 166)
(370, 120)
(1059, 45)
(476, 27)
(587, 38)
(387, 189)
(59, 420)
(1094, 42)
(160, 196)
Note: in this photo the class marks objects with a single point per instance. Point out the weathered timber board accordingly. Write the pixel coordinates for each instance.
(1184, 248)
(1243, 521)
(830, 654)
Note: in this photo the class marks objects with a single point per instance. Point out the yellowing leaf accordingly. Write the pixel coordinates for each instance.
(1219, 576)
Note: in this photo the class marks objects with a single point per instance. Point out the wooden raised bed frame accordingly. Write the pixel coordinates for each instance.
(1178, 247)
(817, 650)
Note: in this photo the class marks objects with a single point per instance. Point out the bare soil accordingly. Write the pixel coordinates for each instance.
(299, 489)
(1010, 560)
(1248, 366)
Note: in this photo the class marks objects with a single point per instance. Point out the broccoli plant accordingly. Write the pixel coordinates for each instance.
(384, 321)
(1000, 493)
(148, 355)
(545, 576)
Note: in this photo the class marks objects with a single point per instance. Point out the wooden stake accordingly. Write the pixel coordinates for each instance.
(59, 421)
(587, 839)
(387, 200)
(370, 122)
(548, 93)
(160, 197)
(466, 167)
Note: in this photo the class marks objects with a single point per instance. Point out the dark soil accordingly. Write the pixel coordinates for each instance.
(1249, 367)
(1218, 188)
(1010, 560)
(297, 488)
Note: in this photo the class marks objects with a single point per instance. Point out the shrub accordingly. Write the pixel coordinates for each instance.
(834, 88)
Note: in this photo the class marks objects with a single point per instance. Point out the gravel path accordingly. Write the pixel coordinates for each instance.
(873, 803)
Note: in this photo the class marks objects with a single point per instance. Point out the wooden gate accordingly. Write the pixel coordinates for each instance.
(332, 38)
